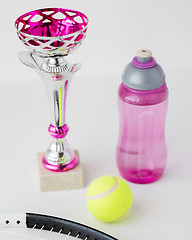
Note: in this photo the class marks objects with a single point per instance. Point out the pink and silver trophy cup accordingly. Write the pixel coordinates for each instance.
(50, 35)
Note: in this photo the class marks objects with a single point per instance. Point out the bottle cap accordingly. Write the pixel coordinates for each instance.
(143, 73)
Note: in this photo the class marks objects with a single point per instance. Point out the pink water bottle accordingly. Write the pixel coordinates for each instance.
(143, 101)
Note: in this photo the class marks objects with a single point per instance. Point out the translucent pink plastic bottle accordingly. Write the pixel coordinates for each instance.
(143, 100)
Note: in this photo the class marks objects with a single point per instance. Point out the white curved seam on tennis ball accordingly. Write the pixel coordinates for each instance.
(106, 193)
(121, 216)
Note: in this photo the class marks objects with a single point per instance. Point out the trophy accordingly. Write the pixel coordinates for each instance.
(50, 35)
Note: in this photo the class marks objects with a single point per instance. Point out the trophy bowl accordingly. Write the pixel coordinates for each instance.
(52, 31)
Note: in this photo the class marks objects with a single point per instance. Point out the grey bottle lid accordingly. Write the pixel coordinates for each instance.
(143, 73)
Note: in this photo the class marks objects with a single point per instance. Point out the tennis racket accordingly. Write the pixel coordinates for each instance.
(30, 226)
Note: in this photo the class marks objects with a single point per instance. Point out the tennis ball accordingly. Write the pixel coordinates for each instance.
(109, 198)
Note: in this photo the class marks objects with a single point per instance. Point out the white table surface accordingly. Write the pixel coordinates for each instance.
(161, 210)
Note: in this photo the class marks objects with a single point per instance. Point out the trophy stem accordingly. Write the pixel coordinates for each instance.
(56, 74)
(56, 86)
(59, 156)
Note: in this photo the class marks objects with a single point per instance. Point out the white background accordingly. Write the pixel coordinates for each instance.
(117, 29)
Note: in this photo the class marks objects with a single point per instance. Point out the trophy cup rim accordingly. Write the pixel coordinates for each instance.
(61, 44)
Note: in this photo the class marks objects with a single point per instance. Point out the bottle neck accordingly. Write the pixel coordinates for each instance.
(156, 90)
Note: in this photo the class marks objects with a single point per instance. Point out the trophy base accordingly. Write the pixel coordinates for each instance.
(60, 168)
(58, 181)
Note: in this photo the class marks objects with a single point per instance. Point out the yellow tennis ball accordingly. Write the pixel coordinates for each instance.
(109, 198)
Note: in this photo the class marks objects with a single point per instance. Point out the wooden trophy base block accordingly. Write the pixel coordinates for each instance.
(57, 181)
